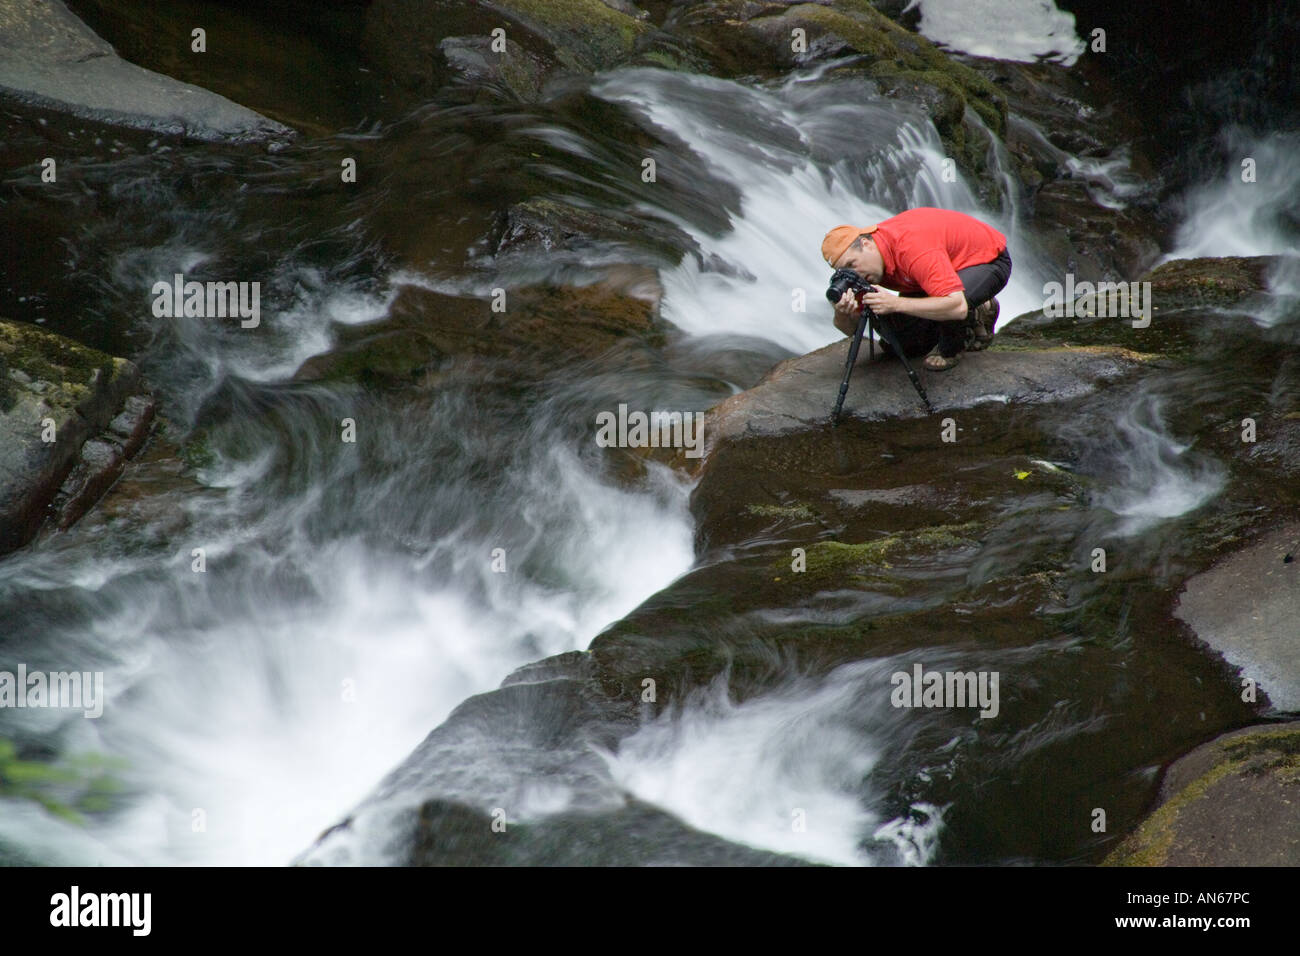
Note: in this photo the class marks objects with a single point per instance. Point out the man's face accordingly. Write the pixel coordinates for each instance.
(863, 259)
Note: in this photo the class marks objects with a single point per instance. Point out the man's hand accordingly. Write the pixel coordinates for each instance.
(881, 303)
(846, 313)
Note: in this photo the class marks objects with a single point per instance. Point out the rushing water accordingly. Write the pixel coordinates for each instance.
(349, 601)
(1252, 207)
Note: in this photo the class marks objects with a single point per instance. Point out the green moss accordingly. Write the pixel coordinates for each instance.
(663, 59)
(45, 356)
(837, 560)
(67, 789)
(876, 34)
(197, 452)
(601, 36)
(1281, 746)
(798, 512)
(1149, 845)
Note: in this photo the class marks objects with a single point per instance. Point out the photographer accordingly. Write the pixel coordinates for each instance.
(946, 266)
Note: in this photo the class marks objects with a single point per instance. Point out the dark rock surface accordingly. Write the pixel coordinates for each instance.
(429, 335)
(50, 58)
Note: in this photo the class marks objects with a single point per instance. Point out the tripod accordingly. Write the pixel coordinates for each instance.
(868, 319)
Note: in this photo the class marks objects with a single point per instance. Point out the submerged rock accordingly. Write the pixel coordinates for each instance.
(514, 72)
(546, 227)
(49, 58)
(1232, 802)
(93, 407)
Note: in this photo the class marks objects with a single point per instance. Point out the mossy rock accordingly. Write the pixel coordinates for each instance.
(68, 369)
(1232, 802)
(1209, 282)
(1192, 301)
(756, 38)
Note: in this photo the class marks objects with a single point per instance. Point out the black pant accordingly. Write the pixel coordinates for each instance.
(981, 282)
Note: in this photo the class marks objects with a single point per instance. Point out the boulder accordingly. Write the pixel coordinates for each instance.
(1234, 801)
(409, 40)
(1092, 241)
(100, 416)
(50, 58)
(799, 393)
(1247, 607)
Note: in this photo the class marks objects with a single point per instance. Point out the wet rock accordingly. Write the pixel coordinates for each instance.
(1209, 282)
(885, 519)
(1247, 607)
(429, 334)
(1091, 241)
(99, 415)
(541, 226)
(102, 460)
(50, 58)
(405, 39)
(1187, 299)
(1232, 802)
(514, 73)
(799, 393)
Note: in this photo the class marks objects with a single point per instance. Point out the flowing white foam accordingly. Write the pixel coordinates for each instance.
(788, 771)
(1159, 477)
(1282, 302)
(1252, 207)
(259, 701)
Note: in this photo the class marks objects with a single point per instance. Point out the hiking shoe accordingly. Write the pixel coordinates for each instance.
(985, 318)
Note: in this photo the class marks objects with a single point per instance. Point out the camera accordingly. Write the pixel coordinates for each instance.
(845, 280)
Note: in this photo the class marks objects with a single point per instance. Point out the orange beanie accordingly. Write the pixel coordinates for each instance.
(839, 239)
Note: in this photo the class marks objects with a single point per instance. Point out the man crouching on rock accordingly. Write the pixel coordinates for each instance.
(946, 266)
